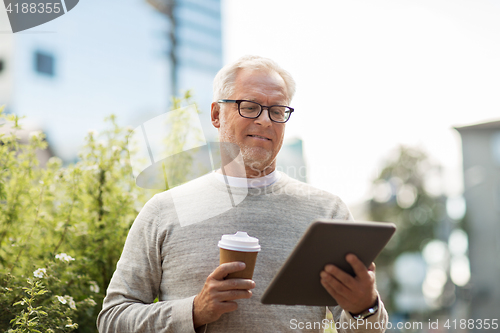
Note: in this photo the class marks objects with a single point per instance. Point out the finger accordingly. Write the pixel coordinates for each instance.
(343, 277)
(337, 286)
(227, 306)
(327, 284)
(232, 284)
(372, 267)
(349, 300)
(231, 295)
(224, 269)
(359, 268)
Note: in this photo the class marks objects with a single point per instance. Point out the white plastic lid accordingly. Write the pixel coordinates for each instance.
(240, 241)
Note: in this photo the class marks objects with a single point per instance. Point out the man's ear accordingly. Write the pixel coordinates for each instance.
(215, 114)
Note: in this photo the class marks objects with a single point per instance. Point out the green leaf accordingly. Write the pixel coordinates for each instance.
(41, 292)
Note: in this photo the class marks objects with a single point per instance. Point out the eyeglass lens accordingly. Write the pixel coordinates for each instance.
(276, 113)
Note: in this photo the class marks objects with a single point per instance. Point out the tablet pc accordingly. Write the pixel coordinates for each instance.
(325, 242)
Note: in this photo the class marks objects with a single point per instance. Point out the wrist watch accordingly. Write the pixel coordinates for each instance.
(367, 313)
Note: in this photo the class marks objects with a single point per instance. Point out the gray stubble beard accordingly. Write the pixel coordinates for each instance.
(247, 153)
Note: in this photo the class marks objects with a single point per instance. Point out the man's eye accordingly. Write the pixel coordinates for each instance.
(278, 111)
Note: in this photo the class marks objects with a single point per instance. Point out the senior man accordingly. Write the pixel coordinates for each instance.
(177, 263)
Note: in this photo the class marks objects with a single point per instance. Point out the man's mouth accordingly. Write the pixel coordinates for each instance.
(259, 137)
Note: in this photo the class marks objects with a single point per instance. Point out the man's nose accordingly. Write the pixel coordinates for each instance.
(264, 119)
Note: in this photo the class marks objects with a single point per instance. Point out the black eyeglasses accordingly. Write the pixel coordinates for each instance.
(252, 110)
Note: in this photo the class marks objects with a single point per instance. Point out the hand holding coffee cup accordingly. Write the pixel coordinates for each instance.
(239, 247)
(214, 299)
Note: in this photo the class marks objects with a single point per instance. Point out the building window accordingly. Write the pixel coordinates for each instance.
(44, 63)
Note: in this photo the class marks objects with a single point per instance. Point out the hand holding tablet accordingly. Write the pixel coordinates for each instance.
(356, 293)
(326, 242)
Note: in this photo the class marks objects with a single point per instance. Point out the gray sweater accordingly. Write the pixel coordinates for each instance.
(172, 248)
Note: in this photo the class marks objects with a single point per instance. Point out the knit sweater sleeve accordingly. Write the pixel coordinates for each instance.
(129, 304)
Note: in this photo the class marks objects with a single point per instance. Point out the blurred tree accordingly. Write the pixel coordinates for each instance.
(402, 194)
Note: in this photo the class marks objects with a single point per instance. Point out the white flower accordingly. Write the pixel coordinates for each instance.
(94, 287)
(93, 132)
(64, 257)
(61, 299)
(90, 301)
(67, 300)
(39, 273)
(116, 148)
(72, 303)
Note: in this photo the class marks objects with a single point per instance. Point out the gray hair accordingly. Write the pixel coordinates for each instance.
(225, 78)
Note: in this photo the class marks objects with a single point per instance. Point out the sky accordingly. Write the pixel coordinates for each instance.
(372, 75)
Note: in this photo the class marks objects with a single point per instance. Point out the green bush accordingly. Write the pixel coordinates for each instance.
(62, 228)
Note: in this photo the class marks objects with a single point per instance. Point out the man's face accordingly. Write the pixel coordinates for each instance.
(259, 139)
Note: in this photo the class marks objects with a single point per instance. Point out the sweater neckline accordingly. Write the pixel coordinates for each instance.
(252, 191)
(267, 180)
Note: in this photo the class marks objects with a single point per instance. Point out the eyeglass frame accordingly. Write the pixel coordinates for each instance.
(238, 102)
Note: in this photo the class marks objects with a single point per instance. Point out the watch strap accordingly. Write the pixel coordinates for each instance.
(367, 313)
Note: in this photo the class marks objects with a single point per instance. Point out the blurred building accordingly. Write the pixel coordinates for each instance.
(481, 164)
(108, 57)
(23, 136)
(291, 160)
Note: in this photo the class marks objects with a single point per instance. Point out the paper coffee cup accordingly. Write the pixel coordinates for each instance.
(239, 247)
